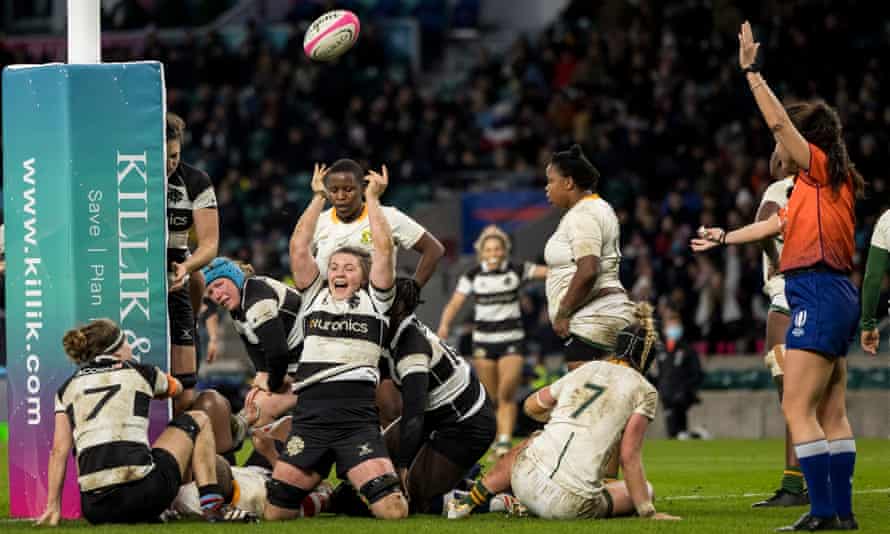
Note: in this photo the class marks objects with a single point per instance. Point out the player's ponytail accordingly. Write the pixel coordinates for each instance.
(572, 163)
(101, 336)
(635, 342)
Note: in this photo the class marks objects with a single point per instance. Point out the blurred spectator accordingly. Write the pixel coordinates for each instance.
(679, 375)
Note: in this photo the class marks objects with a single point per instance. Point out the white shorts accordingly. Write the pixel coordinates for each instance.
(250, 492)
(600, 321)
(545, 498)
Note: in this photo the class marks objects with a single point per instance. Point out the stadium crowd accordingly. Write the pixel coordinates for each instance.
(648, 89)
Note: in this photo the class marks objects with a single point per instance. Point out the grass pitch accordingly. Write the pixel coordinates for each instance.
(711, 484)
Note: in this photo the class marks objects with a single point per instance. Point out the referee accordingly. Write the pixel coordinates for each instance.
(818, 227)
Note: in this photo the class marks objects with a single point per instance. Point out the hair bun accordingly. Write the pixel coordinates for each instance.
(74, 342)
(575, 150)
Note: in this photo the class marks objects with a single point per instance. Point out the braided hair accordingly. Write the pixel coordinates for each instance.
(635, 342)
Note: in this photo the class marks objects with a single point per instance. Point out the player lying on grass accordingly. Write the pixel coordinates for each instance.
(559, 472)
(447, 422)
(102, 413)
(248, 493)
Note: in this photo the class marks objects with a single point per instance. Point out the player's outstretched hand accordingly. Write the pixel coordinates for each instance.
(666, 517)
(49, 518)
(869, 341)
(747, 46)
(707, 239)
(318, 174)
(377, 182)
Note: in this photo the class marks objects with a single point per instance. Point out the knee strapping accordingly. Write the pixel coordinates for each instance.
(187, 424)
(284, 495)
(188, 380)
(379, 487)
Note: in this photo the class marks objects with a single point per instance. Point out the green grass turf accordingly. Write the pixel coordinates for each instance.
(704, 482)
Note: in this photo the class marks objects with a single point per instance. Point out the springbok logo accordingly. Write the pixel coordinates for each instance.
(800, 319)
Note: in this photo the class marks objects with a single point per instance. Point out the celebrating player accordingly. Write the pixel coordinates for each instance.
(102, 411)
(191, 203)
(498, 335)
(346, 224)
(595, 409)
(336, 419)
(588, 305)
(791, 492)
(817, 259)
(875, 268)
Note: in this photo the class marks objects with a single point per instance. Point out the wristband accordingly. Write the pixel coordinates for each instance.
(723, 238)
(750, 68)
(645, 509)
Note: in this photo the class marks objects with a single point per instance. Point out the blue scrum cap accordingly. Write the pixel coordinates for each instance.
(223, 268)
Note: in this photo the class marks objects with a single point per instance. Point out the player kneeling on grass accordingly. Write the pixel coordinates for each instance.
(447, 422)
(559, 473)
(102, 411)
(336, 419)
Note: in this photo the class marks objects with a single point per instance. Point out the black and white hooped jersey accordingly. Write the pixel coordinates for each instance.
(265, 299)
(497, 316)
(107, 403)
(454, 392)
(343, 332)
(188, 189)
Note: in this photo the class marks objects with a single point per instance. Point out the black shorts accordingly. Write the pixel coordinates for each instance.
(494, 351)
(465, 442)
(141, 501)
(182, 317)
(334, 423)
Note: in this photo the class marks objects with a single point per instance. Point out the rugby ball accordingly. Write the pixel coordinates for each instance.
(331, 34)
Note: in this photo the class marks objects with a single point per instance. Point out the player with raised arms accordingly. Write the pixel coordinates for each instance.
(344, 314)
(498, 334)
(590, 413)
(791, 492)
(818, 227)
(102, 413)
(346, 224)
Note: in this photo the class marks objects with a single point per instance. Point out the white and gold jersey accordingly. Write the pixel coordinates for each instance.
(590, 227)
(593, 405)
(777, 192)
(331, 234)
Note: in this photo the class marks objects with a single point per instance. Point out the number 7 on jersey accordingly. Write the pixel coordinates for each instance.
(597, 391)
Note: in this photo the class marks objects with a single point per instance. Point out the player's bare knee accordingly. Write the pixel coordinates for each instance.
(392, 506)
(384, 496)
(200, 418)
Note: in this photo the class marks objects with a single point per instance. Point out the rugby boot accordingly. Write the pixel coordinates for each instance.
(784, 498)
(229, 514)
(811, 523)
(849, 523)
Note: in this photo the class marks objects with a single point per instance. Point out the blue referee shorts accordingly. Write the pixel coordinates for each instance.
(824, 312)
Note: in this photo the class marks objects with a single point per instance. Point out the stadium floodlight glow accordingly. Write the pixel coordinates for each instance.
(84, 32)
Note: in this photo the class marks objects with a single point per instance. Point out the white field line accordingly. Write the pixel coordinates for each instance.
(747, 495)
